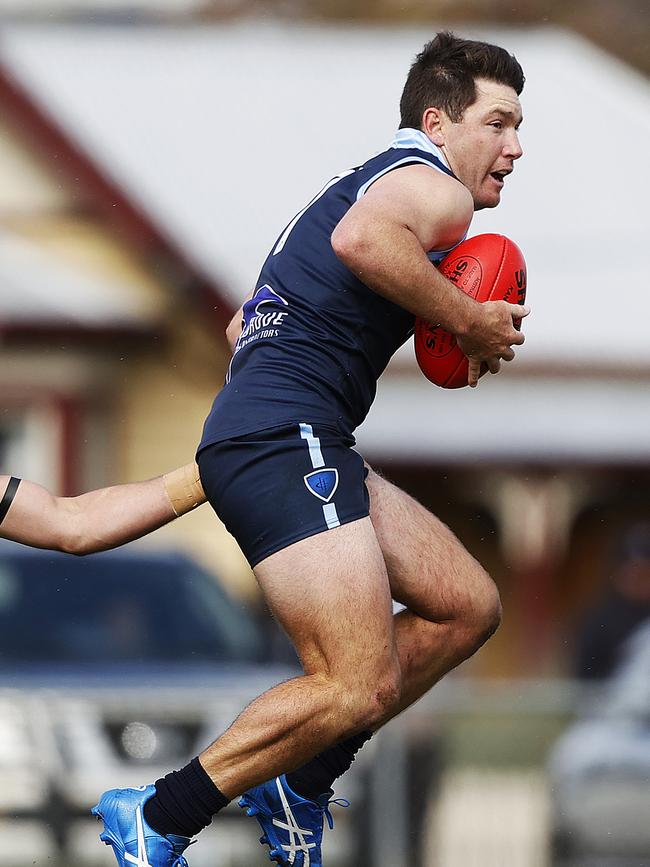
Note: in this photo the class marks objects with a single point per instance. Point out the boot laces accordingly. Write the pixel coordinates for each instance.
(340, 802)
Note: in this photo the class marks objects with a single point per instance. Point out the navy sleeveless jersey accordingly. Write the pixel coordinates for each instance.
(315, 339)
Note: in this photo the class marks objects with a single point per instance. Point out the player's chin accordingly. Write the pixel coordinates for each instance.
(489, 194)
(487, 200)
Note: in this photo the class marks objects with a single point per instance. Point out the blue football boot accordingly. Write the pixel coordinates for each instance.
(134, 842)
(292, 826)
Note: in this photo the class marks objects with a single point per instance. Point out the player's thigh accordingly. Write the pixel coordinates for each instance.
(429, 570)
(331, 594)
(295, 499)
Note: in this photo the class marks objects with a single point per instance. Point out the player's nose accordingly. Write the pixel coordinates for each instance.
(513, 148)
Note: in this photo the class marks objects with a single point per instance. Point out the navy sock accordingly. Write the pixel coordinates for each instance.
(317, 776)
(185, 802)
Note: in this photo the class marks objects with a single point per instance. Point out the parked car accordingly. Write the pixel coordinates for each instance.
(600, 771)
(114, 669)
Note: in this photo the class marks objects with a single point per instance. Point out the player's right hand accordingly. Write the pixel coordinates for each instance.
(236, 324)
(490, 337)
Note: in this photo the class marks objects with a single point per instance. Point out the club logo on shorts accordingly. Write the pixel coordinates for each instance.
(323, 483)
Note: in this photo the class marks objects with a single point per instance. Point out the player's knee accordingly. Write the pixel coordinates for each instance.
(486, 611)
(387, 692)
(379, 699)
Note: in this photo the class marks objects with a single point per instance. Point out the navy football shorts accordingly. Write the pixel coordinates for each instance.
(277, 486)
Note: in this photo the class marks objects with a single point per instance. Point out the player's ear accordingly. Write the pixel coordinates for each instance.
(432, 125)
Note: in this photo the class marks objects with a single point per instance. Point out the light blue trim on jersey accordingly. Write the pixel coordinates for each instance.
(415, 138)
(315, 454)
(407, 161)
(411, 139)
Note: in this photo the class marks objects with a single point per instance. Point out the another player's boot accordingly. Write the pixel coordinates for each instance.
(134, 842)
(292, 826)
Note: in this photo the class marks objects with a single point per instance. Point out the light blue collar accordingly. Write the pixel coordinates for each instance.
(415, 138)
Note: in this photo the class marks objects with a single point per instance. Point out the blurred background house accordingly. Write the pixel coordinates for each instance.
(150, 152)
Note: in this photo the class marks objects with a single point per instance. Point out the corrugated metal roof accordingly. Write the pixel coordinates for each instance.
(224, 132)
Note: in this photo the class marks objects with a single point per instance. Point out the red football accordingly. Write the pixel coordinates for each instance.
(487, 267)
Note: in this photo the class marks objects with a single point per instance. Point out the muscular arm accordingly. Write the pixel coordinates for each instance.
(100, 519)
(384, 236)
(383, 239)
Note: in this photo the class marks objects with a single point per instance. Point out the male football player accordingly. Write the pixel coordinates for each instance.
(330, 541)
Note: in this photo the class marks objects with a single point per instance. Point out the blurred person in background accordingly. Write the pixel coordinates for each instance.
(623, 606)
(329, 540)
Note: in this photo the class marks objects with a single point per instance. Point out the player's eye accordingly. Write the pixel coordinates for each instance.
(497, 124)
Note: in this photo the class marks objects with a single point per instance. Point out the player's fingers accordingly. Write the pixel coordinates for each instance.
(518, 311)
(517, 339)
(508, 354)
(473, 373)
(494, 365)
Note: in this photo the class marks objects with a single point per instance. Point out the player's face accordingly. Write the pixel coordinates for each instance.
(482, 147)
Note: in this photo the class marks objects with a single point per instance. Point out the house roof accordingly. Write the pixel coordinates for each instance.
(45, 131)
(42, 293)
(214, 136)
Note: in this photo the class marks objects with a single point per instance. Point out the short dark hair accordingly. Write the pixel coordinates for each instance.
(444, 73)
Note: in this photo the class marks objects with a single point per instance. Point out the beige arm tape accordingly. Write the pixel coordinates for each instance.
(184, 489)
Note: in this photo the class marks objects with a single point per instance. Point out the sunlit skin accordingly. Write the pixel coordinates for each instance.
(484, 143)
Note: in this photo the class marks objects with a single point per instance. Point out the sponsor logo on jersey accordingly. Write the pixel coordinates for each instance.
(323, 483)
(259, 315)
(259, 319)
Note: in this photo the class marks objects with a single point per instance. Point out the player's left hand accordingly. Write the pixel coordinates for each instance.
(493, 341)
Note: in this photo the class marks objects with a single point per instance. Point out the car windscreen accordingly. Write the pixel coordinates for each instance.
(105, 609)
